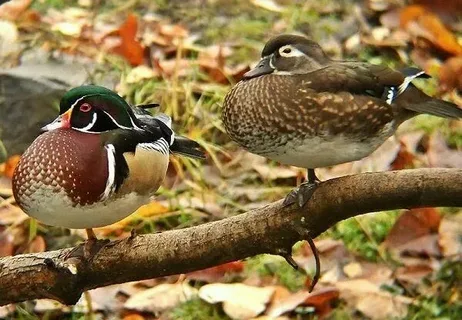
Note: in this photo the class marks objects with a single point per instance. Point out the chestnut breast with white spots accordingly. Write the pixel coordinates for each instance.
(62, 160)
(61, 177)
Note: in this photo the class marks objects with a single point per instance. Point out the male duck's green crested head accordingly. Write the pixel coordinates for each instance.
(93, 109)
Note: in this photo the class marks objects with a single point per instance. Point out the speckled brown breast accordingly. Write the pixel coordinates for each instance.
(267, 112)
(62, 160)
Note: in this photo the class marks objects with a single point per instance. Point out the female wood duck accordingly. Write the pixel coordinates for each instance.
(300, 108)
(98, 162)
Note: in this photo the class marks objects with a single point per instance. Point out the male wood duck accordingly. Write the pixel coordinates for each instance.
(300, 108)
(98, 162)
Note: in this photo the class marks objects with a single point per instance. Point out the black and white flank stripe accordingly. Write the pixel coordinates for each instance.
(160, 145)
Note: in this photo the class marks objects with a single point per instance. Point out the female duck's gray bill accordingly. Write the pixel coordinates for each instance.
(263, 67)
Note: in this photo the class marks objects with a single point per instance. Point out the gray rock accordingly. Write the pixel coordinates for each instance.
(29, 99)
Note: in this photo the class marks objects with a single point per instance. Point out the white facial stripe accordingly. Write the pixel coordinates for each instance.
(134, 124)
(121, 126)
(111, 162)
(115, 122)
(77, 101)
(91, 124)
(293, 52)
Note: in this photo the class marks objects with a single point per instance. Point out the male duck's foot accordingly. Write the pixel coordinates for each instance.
(300, 195)
(93, 245)
(89, 248)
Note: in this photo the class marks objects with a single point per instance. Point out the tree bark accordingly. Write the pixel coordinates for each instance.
(270, 229)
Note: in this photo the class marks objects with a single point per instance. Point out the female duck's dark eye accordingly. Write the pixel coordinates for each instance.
(85, 107)
(287, 50)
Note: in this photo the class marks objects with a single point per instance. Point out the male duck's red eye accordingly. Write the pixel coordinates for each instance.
(85, 107)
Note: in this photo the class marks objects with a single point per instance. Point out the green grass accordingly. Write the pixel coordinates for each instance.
(443, 298)
(197, 309)
(269, 265)
(43, 5)
(430, 124)
(362, 235)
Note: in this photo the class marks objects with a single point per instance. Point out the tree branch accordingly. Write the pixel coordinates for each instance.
(269, 229)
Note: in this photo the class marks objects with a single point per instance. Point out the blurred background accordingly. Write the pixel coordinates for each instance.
(186, 55)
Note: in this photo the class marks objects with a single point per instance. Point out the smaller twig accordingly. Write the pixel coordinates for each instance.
(287, 254)
(317, 273)
(305, 234)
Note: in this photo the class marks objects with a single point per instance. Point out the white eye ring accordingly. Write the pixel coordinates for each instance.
(289, 51)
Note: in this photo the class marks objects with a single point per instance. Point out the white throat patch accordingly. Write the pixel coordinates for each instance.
(111, 163)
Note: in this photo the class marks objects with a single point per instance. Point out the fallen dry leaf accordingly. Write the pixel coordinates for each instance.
(353, 269)
(72, 29)
(331, 252)
(48, 305)
(287, 302)
(10, 214)
(151, 209)
(376, 273)
(450, 74)
(212, 62)
(271, 172)
(450, 235)
(9, 44)
(374, 303)
(133, 316)
(215, 274)
(420, 22)
(411, 225)
(174, 67)
(5, 311)
(424, 247)
(270, 5)
(322, 299)
(104, 298)
(160, 298)
(439, 155)
(240, 301)
(139, 74)
(404, 159)
(413, 274)
(130, 48)
(36, 245)
(6, 243)
(10, 165)
(173, 31)
(12, 10)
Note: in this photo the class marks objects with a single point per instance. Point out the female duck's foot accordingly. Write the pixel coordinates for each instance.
(87, 250)
(300, 195)
(303, 193)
